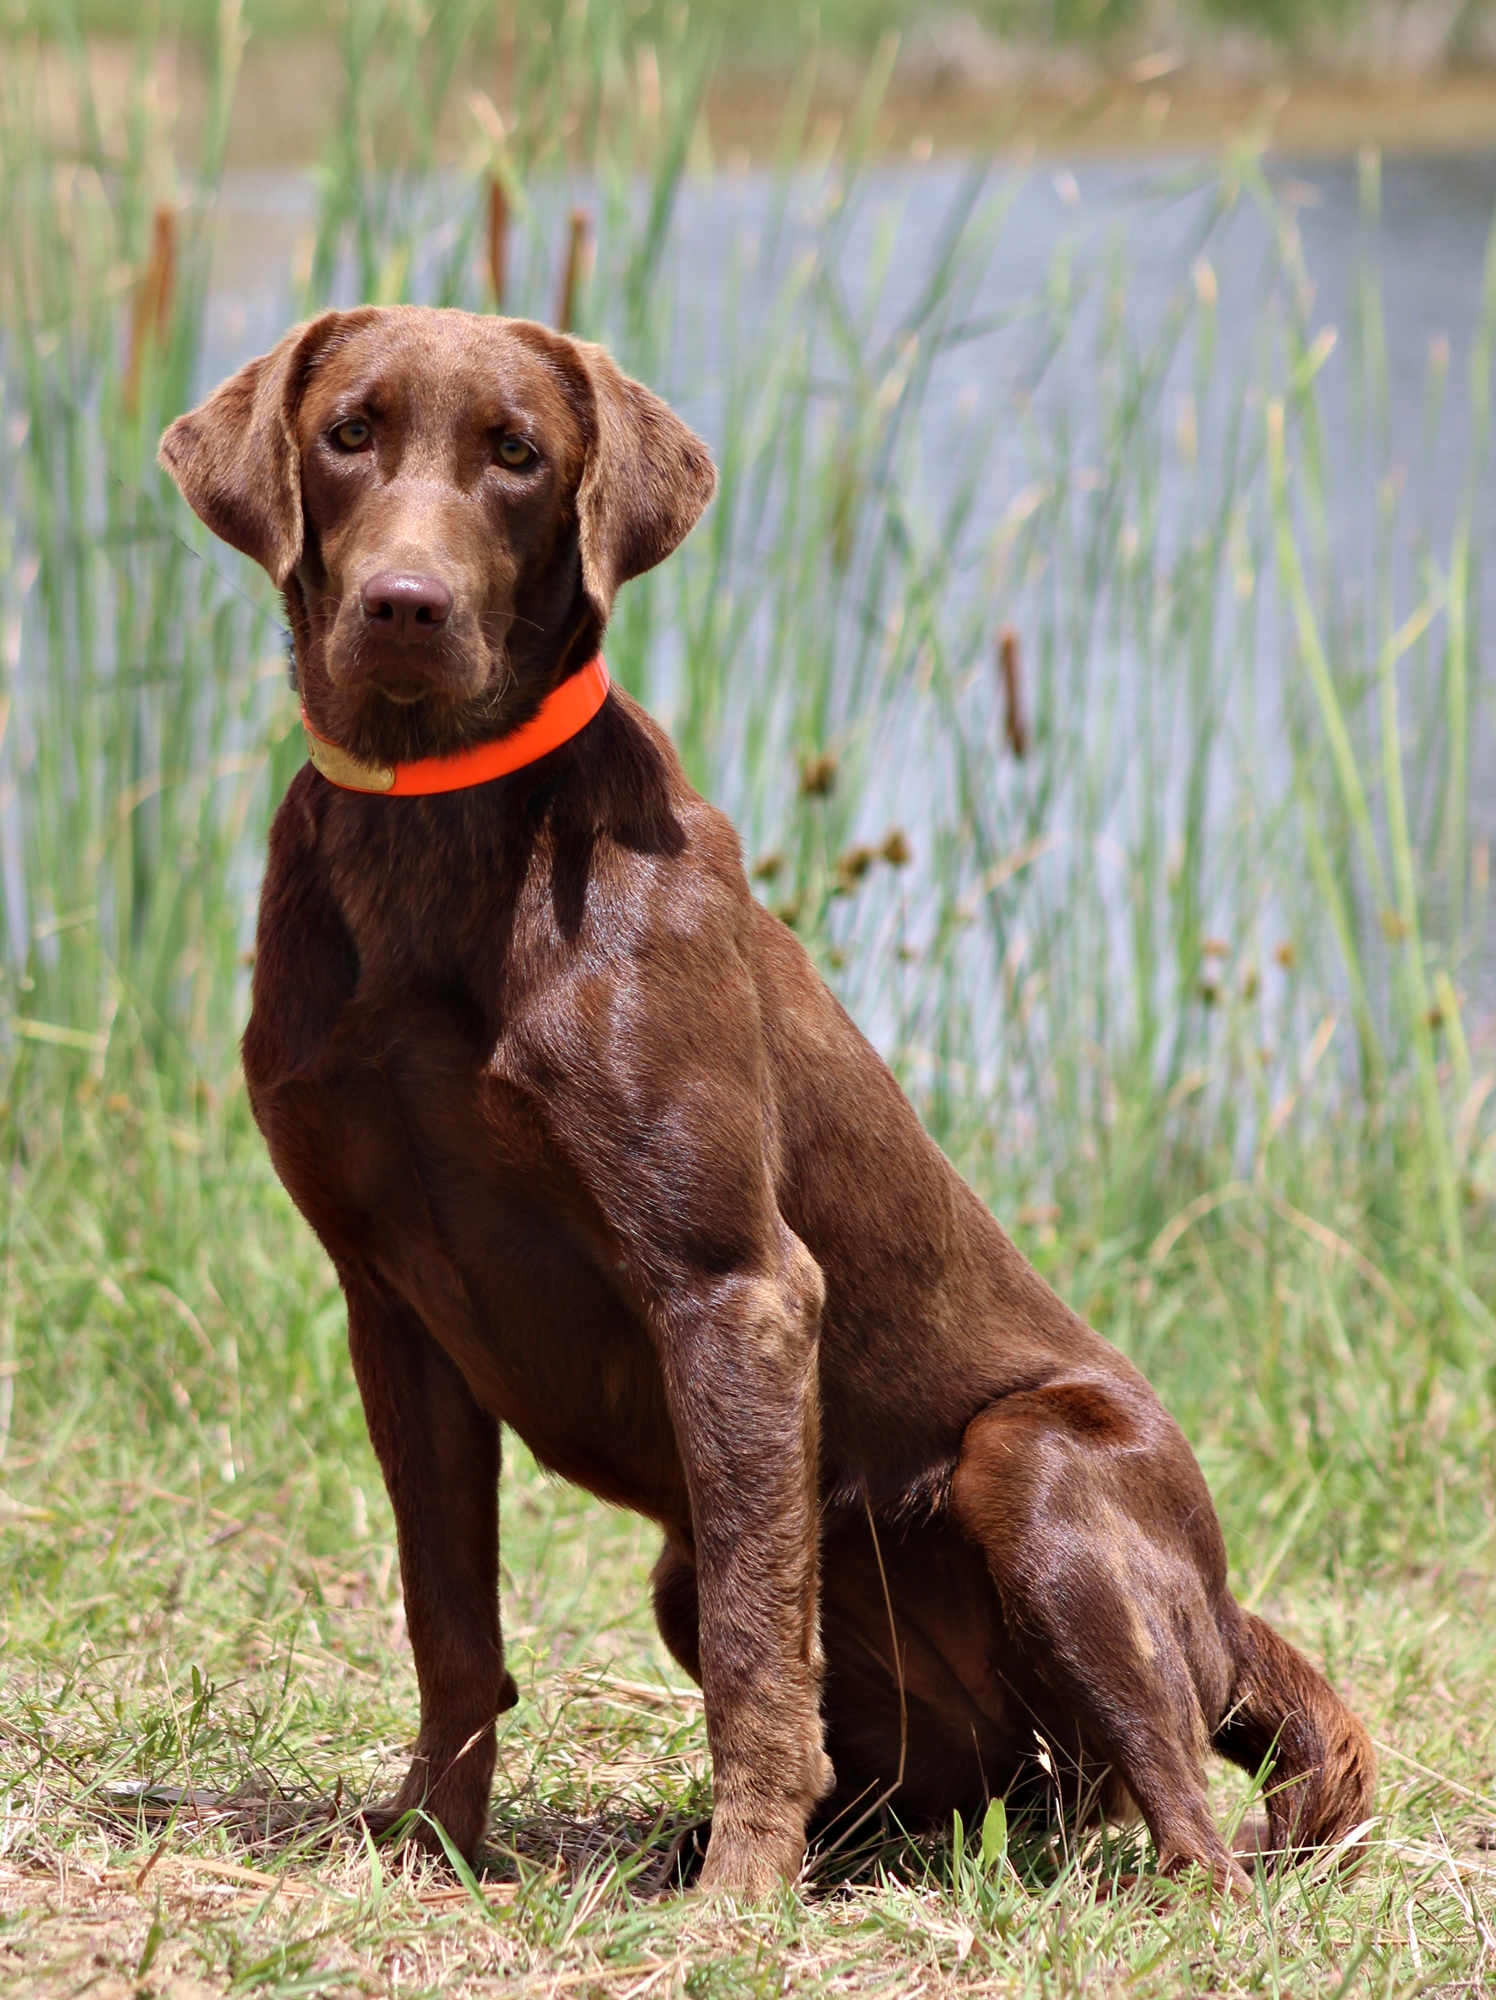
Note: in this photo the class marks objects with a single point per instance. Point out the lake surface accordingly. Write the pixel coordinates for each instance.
(1436, 215)
(1148, 224)
(1429, 249)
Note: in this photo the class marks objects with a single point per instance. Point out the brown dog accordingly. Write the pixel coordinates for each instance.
(597, 1155)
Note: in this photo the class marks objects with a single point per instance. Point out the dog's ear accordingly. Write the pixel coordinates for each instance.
(646, 482)
(236, 457)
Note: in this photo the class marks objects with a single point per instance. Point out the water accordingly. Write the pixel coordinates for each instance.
(1435, 217)
(1078, 233)
(1429, 248)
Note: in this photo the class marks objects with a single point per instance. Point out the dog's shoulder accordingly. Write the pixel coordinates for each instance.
(630, 792)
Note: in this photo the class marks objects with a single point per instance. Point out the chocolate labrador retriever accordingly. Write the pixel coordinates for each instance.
(596, 1154)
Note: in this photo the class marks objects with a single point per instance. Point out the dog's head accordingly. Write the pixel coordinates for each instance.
(448, 502)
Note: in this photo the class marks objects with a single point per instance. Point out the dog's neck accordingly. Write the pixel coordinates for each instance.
(432, 891)
(564, 713)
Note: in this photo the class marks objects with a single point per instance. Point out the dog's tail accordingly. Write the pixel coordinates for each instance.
(1282, 1714)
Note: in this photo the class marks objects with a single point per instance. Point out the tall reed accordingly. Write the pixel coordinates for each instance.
(1185, 986)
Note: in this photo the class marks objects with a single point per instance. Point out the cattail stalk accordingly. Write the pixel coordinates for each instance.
(498, 241)
(1010, 664)
(150, 317)
(578, 268)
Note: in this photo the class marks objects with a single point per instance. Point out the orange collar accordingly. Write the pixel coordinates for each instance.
(565, 711)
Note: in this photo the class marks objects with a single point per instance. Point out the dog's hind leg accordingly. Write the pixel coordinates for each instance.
(1101, 1540)
(677, 1607)
(439, 1452)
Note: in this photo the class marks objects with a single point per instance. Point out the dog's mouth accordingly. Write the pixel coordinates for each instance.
(382, 708)
(374, 674)
(407, 669)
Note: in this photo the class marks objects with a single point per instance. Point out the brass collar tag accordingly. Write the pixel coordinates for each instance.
(341, 769)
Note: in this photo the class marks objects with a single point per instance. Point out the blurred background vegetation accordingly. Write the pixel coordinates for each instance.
(1410, 33)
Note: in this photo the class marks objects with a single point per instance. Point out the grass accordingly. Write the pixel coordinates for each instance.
(1197, 991)
(202, 1599)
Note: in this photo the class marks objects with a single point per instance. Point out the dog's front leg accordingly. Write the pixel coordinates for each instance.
(740, 1366)
(439, 1453)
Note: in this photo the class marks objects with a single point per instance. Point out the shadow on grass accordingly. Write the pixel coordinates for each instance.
(650, 1855)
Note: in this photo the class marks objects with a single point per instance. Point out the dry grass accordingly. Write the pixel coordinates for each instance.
(194, 1696)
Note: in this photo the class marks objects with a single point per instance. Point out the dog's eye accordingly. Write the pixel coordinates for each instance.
(513, 452)
(353, 435)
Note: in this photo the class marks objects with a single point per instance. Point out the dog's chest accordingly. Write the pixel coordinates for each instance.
(427, 1170)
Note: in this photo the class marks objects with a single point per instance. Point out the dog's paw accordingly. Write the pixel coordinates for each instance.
(396, 1820)
(1221, 1874)
(750, 1862)
(681, 1864)
(380, 1820)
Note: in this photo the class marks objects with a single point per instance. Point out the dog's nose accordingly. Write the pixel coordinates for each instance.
(406, 603)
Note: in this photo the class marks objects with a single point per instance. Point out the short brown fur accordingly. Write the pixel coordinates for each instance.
(597, 1155)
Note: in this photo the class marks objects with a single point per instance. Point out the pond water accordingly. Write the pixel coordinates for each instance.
(1436, 215)
(1428, 246)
